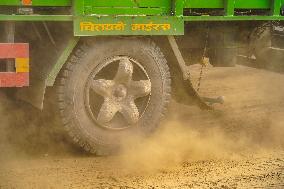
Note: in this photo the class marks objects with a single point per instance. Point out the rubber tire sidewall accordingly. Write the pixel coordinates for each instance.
(80, 125)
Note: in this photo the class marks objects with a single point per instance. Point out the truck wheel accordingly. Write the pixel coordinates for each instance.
(110, 89)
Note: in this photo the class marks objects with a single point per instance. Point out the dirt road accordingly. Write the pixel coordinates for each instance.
(239, 145)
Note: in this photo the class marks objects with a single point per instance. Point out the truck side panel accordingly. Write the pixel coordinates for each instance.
(37, 2)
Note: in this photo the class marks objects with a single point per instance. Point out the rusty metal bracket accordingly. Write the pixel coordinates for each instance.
(184, 68)
(186, 75)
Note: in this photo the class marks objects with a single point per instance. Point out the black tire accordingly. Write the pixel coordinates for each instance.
(71, 83)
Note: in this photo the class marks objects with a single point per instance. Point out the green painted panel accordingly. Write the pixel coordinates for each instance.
(127, 7)
(229, 6)
(239, 4)
(203, 4)
(253, 4)
(55, 18)
(125, 11)
(128, 25)
(232, 18)
(145, 12)
(110, 3)
(128, 3)
(38, 2)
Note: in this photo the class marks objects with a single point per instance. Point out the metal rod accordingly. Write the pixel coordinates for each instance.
(49, 34)
(10, 38)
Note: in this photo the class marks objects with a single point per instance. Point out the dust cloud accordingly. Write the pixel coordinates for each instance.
(174, 144)
(26, 132)
(4, 145)
(178, 142)
(251, 122)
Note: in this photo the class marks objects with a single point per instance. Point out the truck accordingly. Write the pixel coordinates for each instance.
(114, 65)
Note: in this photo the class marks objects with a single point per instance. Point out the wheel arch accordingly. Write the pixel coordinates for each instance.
(35, 94)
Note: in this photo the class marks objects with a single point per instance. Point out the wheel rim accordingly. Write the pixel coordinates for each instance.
(117, 93)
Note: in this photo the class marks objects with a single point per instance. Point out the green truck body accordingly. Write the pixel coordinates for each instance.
(117, 63)
(155, 17)
(134, 17)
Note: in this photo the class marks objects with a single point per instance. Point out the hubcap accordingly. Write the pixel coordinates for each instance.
(119, 94)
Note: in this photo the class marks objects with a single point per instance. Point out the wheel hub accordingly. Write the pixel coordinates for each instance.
(119, 94)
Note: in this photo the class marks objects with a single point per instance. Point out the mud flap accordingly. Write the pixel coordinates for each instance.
(195, 96)
(186, 83)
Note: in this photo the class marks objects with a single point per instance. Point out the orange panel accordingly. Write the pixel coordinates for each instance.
(27, 2)
(22, 65)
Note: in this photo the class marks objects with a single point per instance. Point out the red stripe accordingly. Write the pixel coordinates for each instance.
(9, 79)
(14, 50)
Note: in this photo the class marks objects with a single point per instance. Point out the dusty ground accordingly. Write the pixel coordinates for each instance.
(240, 145)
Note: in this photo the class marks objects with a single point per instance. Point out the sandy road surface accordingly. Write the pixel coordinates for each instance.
(240, 145)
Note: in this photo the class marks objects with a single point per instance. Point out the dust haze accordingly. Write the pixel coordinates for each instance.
(251, 121)
(187, 134)
(27, 132)
(249, 127)
(185, 140)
